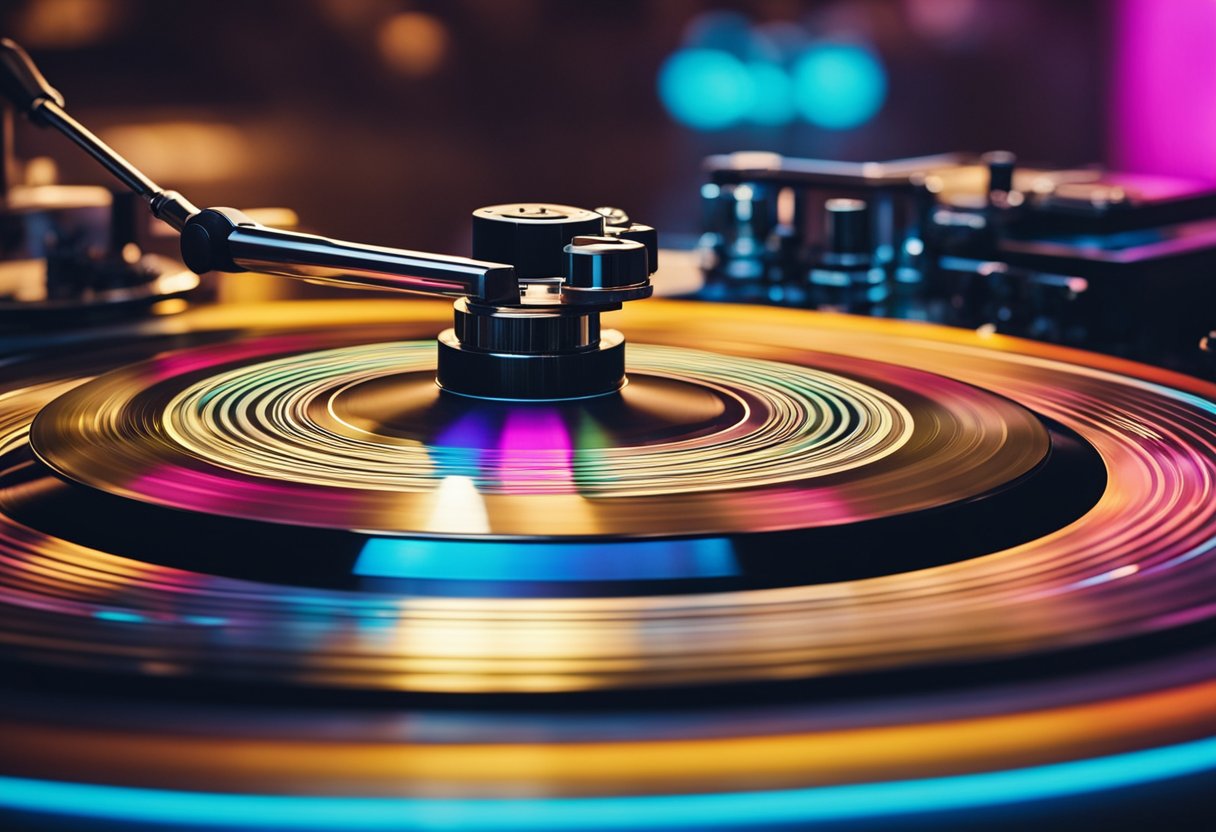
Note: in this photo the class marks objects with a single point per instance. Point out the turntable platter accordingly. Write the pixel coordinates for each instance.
(286, 430)
(798, 555)
(814, 469)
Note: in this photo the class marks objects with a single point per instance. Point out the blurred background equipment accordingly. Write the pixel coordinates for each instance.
(433, 107)
(437, 106)
(1112, 261)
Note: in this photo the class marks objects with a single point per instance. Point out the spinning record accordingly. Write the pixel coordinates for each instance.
(360, 437)
(795, 454)
(805, 507)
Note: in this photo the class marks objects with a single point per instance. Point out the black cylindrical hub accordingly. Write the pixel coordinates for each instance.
(525, 330)
(496, 375)
(521, 352)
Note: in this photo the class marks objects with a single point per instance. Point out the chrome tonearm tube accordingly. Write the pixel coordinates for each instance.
(527, 316)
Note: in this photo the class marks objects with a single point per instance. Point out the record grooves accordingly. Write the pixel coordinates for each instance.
(799, 634)
(611, 583)
(1069, 482)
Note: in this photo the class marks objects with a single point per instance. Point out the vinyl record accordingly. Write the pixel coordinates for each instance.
(805, 566)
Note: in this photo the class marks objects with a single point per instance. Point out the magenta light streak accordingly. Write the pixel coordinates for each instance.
(1164, 87)
(228, 493)
(188, 361)
(535, 453)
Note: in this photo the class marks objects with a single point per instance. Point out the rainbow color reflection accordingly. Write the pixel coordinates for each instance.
(690, 811)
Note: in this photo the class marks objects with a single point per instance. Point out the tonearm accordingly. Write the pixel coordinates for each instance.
(527, 314)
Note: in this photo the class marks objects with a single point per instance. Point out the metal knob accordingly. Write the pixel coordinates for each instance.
(848, 230)
(604, 262)
(531, 236)
(1001, 164)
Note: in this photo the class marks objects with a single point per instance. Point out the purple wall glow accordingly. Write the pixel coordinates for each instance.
(1164, 87)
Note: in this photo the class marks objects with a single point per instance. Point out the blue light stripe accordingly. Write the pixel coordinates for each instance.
(468, 560)
(692, 811)
(121, 616)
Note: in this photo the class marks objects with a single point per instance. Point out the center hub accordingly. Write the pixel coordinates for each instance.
(572, 265)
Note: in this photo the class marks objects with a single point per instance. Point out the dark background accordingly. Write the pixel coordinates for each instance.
(313, 104)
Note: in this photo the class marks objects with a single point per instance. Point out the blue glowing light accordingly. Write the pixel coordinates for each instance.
(706, 89)
(772, 95)
(838, 86)
(205, 620)
(456, 560)
(121, 616)
(689, 811)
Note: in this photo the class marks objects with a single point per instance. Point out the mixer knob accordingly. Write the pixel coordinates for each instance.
(1000, 170)
(848, 231)
(606, 262)
(845, 277)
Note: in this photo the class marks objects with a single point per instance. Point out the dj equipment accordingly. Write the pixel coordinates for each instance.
(1111, 261)
(407, 564)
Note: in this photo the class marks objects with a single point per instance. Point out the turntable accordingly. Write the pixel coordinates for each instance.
(486, 564)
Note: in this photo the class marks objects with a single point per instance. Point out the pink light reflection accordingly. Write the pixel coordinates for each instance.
(1164, 87)
(236, 495)
(535, 453)
(173, 364)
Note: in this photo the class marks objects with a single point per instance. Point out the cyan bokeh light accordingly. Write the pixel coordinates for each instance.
(729, 71)
(835, 86)
(838, 86)
(772, 95)
(706, 89)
